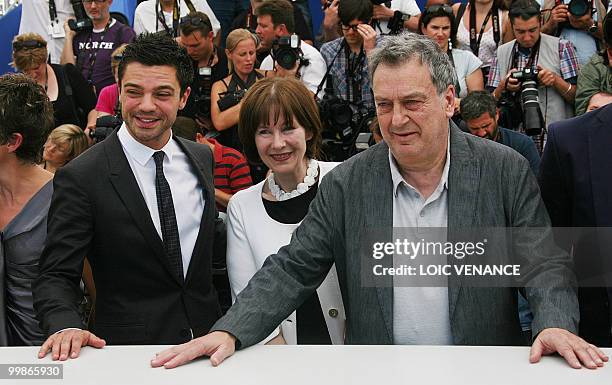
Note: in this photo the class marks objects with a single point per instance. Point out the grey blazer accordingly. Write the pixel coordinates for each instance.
(489, 185)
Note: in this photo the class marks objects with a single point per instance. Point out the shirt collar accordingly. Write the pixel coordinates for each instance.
(397, 178)
(141, 153)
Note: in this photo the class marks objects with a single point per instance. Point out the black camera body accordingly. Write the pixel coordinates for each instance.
(579, 8)
(386, 3)
(533, 121)
(286, 51)
(230, 99)
(342, 124)
(104, 126)
(82, 23)
(202, 98)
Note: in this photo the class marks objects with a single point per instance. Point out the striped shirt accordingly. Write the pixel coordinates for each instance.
(232, 172)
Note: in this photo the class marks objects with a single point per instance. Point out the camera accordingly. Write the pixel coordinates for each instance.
(230, 99)
(386, 3)
(202, 97)
(82, 22)
(104, 126)
(533, 121)
(579, 8)
(343, 123)
(286, 51)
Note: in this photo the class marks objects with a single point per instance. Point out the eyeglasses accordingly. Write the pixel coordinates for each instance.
(439, 8)
(345, 28)
(195, 21)
(117, 57)
(94, 1)
(526, 12)
(28, 44)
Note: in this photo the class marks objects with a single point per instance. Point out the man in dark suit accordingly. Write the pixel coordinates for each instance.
(426, 173)
(140, 206)
(576, 186)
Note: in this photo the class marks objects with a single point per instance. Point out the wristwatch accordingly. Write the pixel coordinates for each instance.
(593, 28)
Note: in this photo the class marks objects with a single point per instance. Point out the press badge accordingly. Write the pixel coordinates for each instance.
(57, 31)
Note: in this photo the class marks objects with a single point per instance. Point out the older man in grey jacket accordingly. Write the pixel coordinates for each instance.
(427, 173)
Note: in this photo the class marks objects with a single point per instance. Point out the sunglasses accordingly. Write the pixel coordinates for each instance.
(439, 8)
(195, 21)
(117, 57)
(28, 44)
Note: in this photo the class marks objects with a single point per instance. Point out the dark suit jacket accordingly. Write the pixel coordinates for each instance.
(98, 211)
(576, 184)
(489, 185)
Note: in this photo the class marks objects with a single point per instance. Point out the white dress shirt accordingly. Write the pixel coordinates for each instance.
(145, 18)
(184, 185)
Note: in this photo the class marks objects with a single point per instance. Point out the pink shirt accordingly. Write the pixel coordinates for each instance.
(108, 99)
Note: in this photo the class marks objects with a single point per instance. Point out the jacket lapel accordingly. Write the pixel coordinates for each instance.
(463, 185)
(124, 183)
(379, 215)
(600, 160)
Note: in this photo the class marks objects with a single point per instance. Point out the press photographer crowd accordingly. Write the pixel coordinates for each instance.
(204, 177)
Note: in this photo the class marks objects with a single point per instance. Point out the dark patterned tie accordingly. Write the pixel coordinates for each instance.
(167, 216)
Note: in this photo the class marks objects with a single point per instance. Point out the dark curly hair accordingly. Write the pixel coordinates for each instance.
(25, 109)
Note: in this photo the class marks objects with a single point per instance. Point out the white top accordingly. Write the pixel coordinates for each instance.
(420, 314)
(184, 185)
(465, 64)
(488, 48)
(145, 19)
(409, 7)
(312, 74)
(35, 18)
(252, 236)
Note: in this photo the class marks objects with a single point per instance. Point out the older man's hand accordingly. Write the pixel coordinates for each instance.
(217, 345)
(576, 351)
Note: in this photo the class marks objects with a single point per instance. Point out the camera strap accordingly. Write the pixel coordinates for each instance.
(452, 60)
(159, 14)
(354, 65)
(329, 67)
(475, 41)
(94, 54)
(53, 12)
(533, 56)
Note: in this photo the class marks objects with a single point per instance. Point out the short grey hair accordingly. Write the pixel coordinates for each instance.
(399, 49)
(477, 103)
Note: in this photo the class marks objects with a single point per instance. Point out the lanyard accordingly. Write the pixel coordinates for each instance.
(53, 12)
(94, 54)
(176, 15)
(474, 41)
(354, 64)
(449, 51)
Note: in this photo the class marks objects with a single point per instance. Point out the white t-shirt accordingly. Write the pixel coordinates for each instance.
(465, 63)
(409, 7)
(35, 18)
(312, 74)
(145, 19)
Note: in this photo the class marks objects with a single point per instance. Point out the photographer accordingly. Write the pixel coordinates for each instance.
(393, 16)
(578, 21)
(552, 59)
(275, 21)
(90, 49)
(164, 15)
(346, 57)
(595, 76)
(209, 65)
(227, 93)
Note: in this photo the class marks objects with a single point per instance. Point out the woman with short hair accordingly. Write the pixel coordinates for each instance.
(280, 126)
